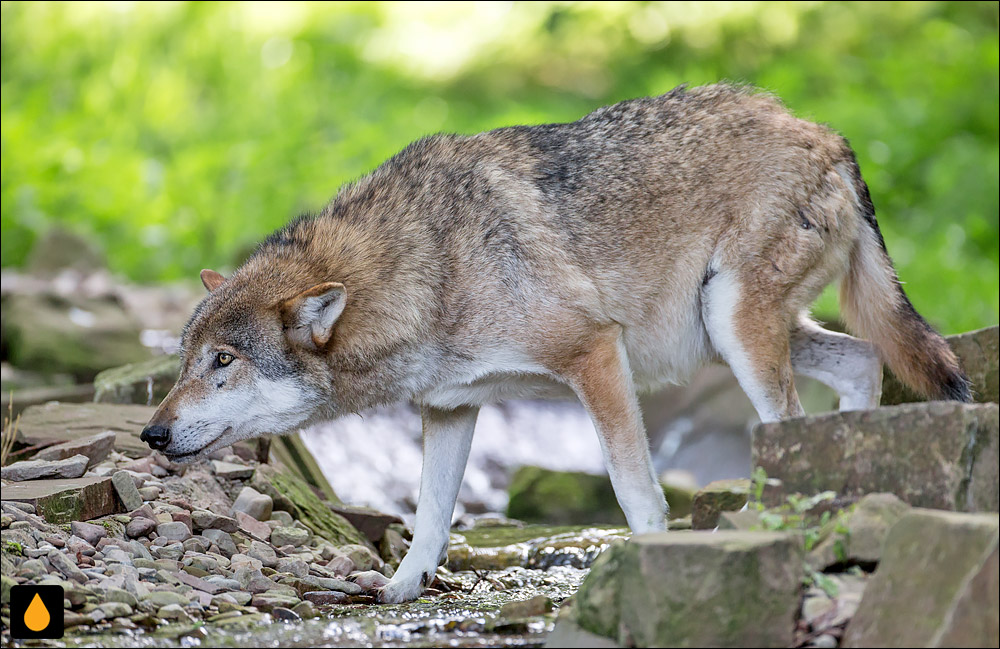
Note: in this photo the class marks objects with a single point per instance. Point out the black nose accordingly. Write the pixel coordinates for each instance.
(156, 436)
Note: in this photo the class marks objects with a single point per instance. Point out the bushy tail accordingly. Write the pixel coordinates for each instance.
(875, 307)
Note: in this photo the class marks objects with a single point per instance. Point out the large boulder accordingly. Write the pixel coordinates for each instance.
(54, 423)
(858, 539)
(937, 585)
(977, 351)
(145, 383)
(938, 454)
(721, 589)
(540, 495)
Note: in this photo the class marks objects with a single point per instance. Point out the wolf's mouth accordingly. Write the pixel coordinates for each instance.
(190, 456)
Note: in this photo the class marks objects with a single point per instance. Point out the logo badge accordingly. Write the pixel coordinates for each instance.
(36, 612)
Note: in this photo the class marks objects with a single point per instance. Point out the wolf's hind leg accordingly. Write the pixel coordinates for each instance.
(447, 440)
(753, 338)
(849, 365)
(602, 380)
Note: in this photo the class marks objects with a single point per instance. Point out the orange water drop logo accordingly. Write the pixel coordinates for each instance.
(37, 616)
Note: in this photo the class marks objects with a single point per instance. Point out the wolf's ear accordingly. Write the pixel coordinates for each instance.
(211, 279)
(309, 316)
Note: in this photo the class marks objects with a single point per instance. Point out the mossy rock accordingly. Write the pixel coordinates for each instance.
(145, 383)
(540, 495)
(296, 497)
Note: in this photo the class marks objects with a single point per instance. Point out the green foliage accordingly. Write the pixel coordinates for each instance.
(178, 134)
(13, 547)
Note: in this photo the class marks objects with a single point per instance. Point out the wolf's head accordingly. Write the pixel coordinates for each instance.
(253, 362)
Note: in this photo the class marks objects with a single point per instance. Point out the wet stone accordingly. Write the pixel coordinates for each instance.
(285, 614)
(326, 597)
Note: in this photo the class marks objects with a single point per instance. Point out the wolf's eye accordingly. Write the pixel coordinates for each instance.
(223, 359)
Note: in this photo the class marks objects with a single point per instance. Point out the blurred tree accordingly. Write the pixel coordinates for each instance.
(177, 134)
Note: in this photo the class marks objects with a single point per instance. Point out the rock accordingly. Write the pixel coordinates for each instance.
(295, 567)
(393, 546)
(65, 500)
(250, 524)
(361, 556)
(977, 351)
(199, 584)
(370, 522)
(174, 531)
(115, 609)
(55, 422)
(231, 471)
(173, 612)
(263, 553)
(370, 580)
(65, 565)
(223, 541)
(340, 566)
(285, 614)
(88, 532)
(149, 493)
(283, 536)
(867, 527)
(721, 589)
(306, 507)
(72, 467)
(941, 454)
(282, 518)
(126, 490)
(96, 447)
(305, 610)
(269, 601)
(717, 497)
(253, 503)
(568, 633)
(160, 598)
(537, 605)
(146, 382)
(742, 520)
(326, 597)
(937, 585)
(71, 334)
(539, 495)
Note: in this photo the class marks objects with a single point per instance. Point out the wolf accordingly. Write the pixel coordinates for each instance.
(595, 259)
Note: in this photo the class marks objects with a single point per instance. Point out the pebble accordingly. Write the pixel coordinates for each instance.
(285, 614)
(149, 493)
(370, 580)
(252, 502)
(127, 490)
(363, 558)
(197, 544)
(231, 471)
(65, 565)
(173, 612)
(161, 598)
(223, 541)
(290, 536)
(139, 527)
(88, 532)
(174, 531)
(206, 520)
(340, 566)
(326, 597)
(115, 609)
(295, 567)
(263, 553)
(282, 518)
(258, 528)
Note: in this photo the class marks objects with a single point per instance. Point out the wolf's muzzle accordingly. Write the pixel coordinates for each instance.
(156, 436)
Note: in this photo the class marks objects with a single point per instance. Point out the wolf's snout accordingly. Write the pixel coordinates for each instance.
(156, 436)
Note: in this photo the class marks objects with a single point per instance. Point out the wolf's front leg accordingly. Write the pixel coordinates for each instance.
(447, 439)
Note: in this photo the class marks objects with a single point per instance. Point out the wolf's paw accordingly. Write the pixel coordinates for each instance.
(403, 589)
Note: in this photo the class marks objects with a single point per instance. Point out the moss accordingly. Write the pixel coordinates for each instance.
(13, 547)
(295, 494)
